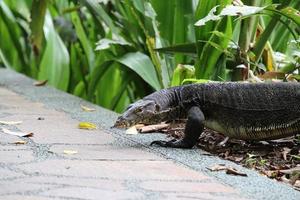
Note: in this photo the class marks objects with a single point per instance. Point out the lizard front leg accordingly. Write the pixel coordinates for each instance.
(193, 128)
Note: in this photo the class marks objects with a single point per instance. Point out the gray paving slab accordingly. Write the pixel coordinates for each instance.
(108, 163)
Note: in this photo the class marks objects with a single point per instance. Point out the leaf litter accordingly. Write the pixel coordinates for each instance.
(276, 159)
(11, 122)
(20, 142)
(17, 133)
(87, 125)
(228, 169)
(87, 109)
(70, 152)
(40, 83)
(131, 131)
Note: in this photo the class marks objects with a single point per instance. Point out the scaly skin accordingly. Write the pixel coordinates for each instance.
(248, 111)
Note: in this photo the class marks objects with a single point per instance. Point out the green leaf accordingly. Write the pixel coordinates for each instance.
(38, 11)
(292, 14)
(229, 10)
(215, 47)
(3, 59)
(193, 80)
(12, 49)
(100, 14)
(187, 48)
(79, 90)
(182, 72)
(54, 65)
(106, 43)
(89, 52)
(96, 75)
(142, 65)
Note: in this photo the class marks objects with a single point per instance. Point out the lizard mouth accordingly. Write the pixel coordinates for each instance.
(121, 123)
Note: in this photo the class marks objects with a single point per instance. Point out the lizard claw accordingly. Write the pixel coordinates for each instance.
(172, 143)
(162, 143)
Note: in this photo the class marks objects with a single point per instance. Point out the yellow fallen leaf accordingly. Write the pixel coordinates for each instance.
(70, 152)
(87, 109)
(17, 133)
(20, 142)
(131, 131)
(10, 122)
(87, 125)
(41, 83)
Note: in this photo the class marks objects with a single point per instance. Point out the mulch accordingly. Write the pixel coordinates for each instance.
(276, 159)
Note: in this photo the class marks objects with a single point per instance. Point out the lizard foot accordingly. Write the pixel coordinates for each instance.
(172, 143)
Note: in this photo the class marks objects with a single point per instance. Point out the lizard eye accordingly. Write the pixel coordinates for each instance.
(138, 110)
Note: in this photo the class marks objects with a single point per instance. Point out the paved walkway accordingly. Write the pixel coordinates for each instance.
(107, 165)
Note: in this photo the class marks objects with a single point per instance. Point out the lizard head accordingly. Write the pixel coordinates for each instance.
(142, 111)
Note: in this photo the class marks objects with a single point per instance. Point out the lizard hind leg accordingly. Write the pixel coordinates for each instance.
(193, 128)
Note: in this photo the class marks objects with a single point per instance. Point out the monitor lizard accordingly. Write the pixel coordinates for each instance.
(247, 111)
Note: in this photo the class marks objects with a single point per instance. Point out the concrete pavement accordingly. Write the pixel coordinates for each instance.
(107, 164)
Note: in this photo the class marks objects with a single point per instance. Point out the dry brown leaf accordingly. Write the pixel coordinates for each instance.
(284, 179)
(131, 131)
(70, 152)
(229, 170)
(272, 75)
(297, 184)
(87, 109)
(217, 167)
(40, 83)
(17, 133)
(285, 152)
(291, 170)
(20, 142)
(153, 128)
(10, 122)
(87, 125)
(271, 173)
(233, 171)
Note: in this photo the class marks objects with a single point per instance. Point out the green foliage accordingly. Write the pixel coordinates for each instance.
(114, 52)
(54, 65)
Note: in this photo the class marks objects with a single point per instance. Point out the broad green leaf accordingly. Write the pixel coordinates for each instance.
(79, 90)
(188, 48)
(38, 11)
(111, 85)
(54, 65)
(292, 13)
(96, 75)
(206, 65)
(101, 14)
(142, 65)
(175, 24)
(203, 33)
(276, 18)
(229, 10)
(106, 43)
(4, 60)
(182, 72)
(151, 40)
(88, 49)
(193, 80)
(10, 44)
